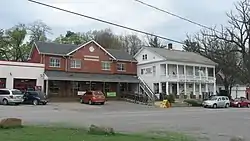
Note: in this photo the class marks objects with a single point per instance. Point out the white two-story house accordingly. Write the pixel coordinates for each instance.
(184, 74)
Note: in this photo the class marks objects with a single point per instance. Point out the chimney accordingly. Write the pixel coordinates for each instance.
(170, 46)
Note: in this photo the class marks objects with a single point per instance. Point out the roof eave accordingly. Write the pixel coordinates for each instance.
(63, 55)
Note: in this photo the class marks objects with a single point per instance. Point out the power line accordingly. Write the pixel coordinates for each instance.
(107, 22)
(172, 14)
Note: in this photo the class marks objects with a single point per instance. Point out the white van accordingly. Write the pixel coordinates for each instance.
(11, 96)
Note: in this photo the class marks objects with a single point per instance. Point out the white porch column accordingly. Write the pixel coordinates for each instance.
(166, 69)
(193, 70)
(194, 90)
(214, 81)
(215, 89)
(200, 92)
(185, 90)
(160, 87)
(167, 92)
(178, 88)
(185, 72)
(177, 71)
(206, 87)
(206, 73)
(47, 88)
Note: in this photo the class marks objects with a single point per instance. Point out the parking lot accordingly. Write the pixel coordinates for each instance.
(213, 124)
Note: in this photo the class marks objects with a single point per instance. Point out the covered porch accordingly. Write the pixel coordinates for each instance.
(70, 85)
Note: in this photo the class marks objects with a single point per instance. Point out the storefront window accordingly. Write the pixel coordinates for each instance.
(123, 87)
(54, 87)
(107, 87)
(2, 82)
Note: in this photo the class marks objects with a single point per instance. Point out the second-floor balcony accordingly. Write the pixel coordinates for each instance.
(188, 78)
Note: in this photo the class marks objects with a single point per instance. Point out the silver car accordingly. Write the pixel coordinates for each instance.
(11, 96)
(217, 102)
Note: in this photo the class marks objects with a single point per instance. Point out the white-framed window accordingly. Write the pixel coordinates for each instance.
(106, 65)
(144, 57)
(121, 67)
(54, 62)
(75, 63)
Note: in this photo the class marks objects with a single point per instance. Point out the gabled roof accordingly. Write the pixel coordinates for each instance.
(92, 41)
(181, 56)
(54, 48)
(68, 49)
(121, 55)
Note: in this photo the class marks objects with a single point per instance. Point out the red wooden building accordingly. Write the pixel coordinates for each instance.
(70, 69)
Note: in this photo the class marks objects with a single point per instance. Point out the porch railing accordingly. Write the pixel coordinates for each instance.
(149, 93)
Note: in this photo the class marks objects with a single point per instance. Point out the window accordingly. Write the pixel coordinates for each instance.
(54, 62)
(148, 70)
(17, 92)
(4, 92)
(154, 70)
(106, 65)
(75, 63)
(144, 57)
(142, 71)
(223, 98)
(121, 67)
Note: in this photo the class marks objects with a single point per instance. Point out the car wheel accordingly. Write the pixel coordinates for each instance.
(90, 102)
(81, 101)
(227, 105)
(5, 102)
(35, 102)
(248, 105)
(44, 103)
(215, 106)
(238, 106)
(17, 103)
(102, 103)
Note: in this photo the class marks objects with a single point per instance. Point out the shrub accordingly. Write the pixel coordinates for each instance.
(193, 102)
(170, 98)
(97, 130)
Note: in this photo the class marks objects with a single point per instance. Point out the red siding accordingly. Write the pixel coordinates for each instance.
(35, 56)
(86, 65)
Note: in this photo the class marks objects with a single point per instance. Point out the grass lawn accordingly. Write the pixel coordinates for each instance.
(68, 134)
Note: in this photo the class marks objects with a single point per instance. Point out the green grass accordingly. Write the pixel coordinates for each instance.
(70, 134)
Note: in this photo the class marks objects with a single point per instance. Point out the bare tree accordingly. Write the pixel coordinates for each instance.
(219, 51)
(38, 31)
(238, 33)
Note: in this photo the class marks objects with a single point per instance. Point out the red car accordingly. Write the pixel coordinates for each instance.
(93, 97)
(240, 102)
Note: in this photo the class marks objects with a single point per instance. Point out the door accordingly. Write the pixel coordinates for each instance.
(87, 96)
(1, 95)
(220, 102)
(223, 103)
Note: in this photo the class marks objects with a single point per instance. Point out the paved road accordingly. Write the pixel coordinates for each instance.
(213, 124)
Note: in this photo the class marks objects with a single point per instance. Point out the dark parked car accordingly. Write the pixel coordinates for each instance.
(35, 98)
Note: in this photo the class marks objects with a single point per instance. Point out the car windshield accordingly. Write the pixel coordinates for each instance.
(16, 92)
(98, 93)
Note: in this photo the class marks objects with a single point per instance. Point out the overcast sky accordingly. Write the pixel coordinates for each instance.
(125, 12)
